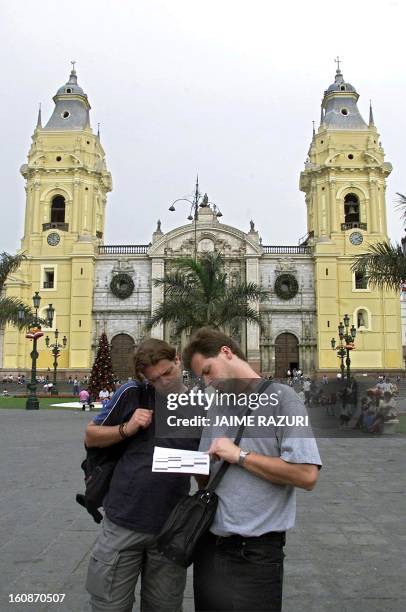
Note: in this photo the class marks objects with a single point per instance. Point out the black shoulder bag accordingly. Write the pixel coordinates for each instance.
(194, 514)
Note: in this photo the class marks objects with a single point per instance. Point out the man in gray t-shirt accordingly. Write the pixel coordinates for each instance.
(275, 505)
(239, 563)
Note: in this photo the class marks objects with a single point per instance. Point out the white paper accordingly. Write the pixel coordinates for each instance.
(180, 461)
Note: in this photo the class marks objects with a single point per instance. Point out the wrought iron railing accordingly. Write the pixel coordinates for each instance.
(353, 225)
(64, 227)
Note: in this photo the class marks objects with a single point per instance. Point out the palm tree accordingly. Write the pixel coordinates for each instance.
(9, 306)
(384, 264)
(197, 294)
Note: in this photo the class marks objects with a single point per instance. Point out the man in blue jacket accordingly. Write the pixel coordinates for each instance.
(138, 501)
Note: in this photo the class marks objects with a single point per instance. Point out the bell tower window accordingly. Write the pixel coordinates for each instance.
(352, 212)
(58, 209)
(351, 208)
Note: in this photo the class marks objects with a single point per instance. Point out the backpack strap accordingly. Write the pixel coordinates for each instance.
(114, 401)
(225, 465)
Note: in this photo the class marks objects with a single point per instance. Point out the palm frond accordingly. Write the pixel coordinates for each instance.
(233, 313)
(197, 294)
(248, 291)
(187, 264)
(384, 265)
(8, 264)
(173, 311)
(401, 204)
(9, 307)
(175, 283)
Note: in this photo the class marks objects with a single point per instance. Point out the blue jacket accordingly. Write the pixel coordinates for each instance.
(139, 499)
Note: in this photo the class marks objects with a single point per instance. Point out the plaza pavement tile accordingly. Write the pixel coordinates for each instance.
(347, 552)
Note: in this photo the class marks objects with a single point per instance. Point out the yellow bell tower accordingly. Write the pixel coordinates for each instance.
(344, 181)
(66, 186)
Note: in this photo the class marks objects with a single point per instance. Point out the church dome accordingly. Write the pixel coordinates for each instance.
(71, 106)
(340, 85)
(339, 106)
(71, 87)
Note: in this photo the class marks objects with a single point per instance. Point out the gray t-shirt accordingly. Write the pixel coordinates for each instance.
(248, 504)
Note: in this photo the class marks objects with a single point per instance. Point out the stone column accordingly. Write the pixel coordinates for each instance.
(379, 208)
(302, 356)
(253, 351)
(272, 358)
(76, 219)
(333, 205)
(324, 217)
(157, 294)
(36, 211)
(315, 209)
(28, 212)
(373, 205)
(305, 360)
(86, 213)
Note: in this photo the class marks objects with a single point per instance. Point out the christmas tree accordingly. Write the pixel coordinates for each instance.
(101, 375)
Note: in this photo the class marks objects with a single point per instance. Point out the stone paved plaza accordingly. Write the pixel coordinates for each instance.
(347, 552)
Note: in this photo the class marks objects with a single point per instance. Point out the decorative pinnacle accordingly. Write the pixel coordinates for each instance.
(371, 115)
(39, 120)
(98, 131)
(337, 61)
(314, 130)
(73, 76)
(197, 193)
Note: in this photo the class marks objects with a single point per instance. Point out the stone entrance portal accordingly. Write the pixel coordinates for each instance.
(122, 350)
(286, 354)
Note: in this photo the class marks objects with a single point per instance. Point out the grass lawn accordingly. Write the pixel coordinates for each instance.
(44, 402)
(402, 424)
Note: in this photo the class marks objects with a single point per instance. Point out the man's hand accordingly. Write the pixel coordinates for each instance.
(140, 419)
(224, 448)
(106, 435)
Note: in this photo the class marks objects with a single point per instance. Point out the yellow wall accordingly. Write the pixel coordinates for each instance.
(328, 177)
(82, 179)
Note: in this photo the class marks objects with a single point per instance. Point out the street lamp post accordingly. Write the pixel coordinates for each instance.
(55, 350)
(198, 201)
(346, 337)
(34, 333)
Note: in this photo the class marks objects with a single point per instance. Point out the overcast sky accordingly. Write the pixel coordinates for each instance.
(228, 88)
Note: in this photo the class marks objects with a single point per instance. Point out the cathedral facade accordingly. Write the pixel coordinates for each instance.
(96, 287)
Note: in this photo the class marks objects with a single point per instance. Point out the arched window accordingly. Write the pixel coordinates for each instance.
(362, 318)
(58, 209)
(351, 208)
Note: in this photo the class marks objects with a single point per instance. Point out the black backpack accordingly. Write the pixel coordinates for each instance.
(100, 463)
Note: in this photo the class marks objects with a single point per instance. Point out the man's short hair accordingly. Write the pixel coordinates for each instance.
(208, 342)
(150, 352)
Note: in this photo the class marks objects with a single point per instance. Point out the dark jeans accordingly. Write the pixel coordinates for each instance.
(239, 574)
